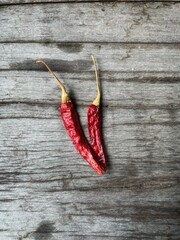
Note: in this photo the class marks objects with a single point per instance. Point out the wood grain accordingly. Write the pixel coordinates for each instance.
(91, 22)
(9, 2)
(43, 176)
(76, 57)
(47, 191)
(39, 87)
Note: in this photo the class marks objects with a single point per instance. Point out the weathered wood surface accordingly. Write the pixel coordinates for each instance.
(94, 22)
(9, 2)
(47, 191)
(75, 57)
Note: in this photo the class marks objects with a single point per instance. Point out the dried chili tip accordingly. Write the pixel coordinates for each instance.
(72, 125)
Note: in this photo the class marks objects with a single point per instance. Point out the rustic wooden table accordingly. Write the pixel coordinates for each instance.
(47, 192)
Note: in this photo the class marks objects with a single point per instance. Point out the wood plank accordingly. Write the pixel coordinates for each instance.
(75, 57)
(10, 2)
(41, 174)
(72, 216)
(91, 22)
(129, 115)
(124, 91)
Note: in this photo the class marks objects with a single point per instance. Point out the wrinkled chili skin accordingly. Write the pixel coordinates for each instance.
(72, 124)
(94, 126)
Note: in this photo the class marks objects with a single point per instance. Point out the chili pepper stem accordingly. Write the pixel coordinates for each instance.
(96, 101)
(65, 97)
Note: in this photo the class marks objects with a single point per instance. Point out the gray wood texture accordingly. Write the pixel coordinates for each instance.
(9, 2)
(47, 191)
(91, 22)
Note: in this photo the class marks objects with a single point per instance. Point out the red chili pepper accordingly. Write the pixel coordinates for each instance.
(72, 124)
(94, 124)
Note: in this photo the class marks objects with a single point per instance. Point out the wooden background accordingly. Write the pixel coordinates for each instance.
(47, 192)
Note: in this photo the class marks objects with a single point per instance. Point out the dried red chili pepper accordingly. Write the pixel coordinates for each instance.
(94, 123)
(72, 124)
